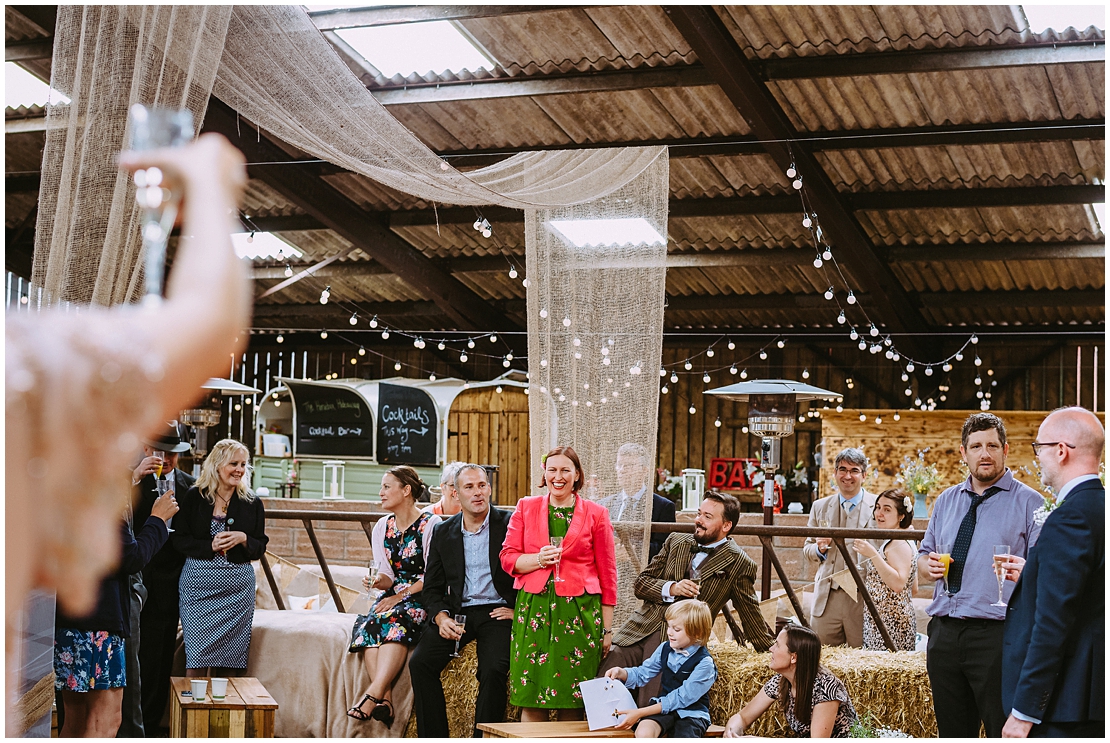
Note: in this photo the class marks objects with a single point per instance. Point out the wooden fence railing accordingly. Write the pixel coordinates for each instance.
(765, 534)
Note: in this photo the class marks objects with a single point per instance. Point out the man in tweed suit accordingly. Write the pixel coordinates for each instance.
(726, 572)
(836, 617)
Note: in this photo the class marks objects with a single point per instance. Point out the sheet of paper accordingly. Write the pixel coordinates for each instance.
(603, 697)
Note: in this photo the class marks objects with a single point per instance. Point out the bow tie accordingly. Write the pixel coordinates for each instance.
(700, 548)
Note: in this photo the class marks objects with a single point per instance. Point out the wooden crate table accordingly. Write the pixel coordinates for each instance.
(579, 729)
(246, 712)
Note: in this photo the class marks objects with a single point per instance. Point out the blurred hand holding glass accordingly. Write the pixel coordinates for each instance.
(152, 129)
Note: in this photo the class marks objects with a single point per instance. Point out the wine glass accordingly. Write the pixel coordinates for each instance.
(162, 487)
(150, 129)
(944, 552)
(460, 619)
(558, 543)
(372, 569)
(695, 575)
(159, 465)
(1001, 555)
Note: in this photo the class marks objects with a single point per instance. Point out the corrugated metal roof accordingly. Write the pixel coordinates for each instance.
(1026, 223)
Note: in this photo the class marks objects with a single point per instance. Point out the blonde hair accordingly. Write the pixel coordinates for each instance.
(209, 478)
(695, 616)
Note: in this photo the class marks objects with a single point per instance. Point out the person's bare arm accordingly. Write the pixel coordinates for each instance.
(208, 297)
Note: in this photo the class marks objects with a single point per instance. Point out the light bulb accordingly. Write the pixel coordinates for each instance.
(674, 377)
(512, 272)
(493, 338)
(897, 416)
(731, 345)
(978, 379)
(978, 361)
(499, 390)
(543, 314)
(807, 222)
(841, 318)
(397, 366)
(990, 373)
(717, 423)
(543, 362)
(693, 410)
(743, 429)
(905, 377)
(288, 270)
(374, 321)
(862, 345)
(974, 339)
(478, 225)
(325, 295)
(577, 341)
(361, 351)
(470, 343)
(566, 322)
(817, 262)
(889, 354)
(238, 406)
(896, 357)
(874, 331)
(432, 377)
(851, 298)
(862, 417)
(487, 232)
(854, 335)
(354, 320)
(509, 355)
(634, 371)
(280, 338)
(944, 398)
(840, 408)
(805, 373)
(791, 171)
(826, 254)
(250, 238)
(887, 341)
(662, 372)
(829, 293)
(705, 378)
(416, 342)
(878, 419)
(797, 184)
(687, 366)
(606, 361)
(908, 392)
(441, 346)
(323, 334)
(524, 283)
(762, 355)
(910, 367)
(506, 363)
(928, 371)
(875, 348)
(709, 352)
(744, 374)
(664, 389)
(959, 356)
(577, 355)
(732, 369)
(917, 401)
(385, 335)
(782, 343)
(354, 360)
(463, 357)
(277, 403)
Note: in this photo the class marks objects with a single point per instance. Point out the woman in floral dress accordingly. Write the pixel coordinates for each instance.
(393, 624)
(890, 575)
(561, 629)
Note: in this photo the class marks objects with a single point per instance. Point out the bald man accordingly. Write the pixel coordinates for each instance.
(1053, 654)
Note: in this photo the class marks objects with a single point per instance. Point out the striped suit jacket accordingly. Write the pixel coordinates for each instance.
(728, 573)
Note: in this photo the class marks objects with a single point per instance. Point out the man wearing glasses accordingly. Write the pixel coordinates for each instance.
(1054, 655)
(836, 617)
(970, 523)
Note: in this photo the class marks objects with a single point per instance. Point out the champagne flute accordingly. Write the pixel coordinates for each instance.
(557, 542)
(373, 574)
(150, 129)
(460, 619)
(695, 575)
(944, 553)
(1001, 555)
(160, 456)
(162, 487)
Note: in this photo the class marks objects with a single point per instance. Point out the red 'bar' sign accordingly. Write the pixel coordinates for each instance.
(732, 474)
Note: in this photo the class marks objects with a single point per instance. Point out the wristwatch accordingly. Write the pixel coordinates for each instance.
(606, 632)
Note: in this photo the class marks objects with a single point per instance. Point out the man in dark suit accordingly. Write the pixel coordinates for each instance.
(1053, 656)
(464, 576)
(629, 504)
(159, 617)
(723, 572)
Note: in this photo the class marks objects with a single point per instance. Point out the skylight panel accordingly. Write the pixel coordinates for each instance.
(264, 246)
(21, 88)
(596, 233)
(405, 48)
(1059, 17)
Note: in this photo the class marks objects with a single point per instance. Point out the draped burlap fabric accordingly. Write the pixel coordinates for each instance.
(107, 57)
(594, 381)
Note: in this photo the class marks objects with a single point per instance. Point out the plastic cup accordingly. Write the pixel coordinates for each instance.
(219, 688)
(200, 687)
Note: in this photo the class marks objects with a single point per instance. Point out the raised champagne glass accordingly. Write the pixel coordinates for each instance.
(1001, 556)
(151, 129)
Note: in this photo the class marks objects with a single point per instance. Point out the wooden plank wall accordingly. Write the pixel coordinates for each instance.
(886, 444)
(487, 427)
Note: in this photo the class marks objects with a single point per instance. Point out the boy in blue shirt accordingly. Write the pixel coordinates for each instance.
(682, 709)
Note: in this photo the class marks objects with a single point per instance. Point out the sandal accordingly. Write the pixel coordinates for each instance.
(383, 712)
(356, 712)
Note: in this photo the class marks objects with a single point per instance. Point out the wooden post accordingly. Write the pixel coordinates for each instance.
(323, 565)
(768, 549)
(273, 583)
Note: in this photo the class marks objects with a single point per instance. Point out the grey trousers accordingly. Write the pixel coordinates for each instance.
(131, 721)
(841, 623)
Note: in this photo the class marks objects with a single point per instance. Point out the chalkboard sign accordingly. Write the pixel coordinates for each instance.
(407, 426)
(331, 421)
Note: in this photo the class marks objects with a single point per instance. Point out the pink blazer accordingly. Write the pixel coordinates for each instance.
(589, 563)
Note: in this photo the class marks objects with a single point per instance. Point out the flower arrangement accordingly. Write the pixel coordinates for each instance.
(916, 476)
(799, 477)
(670, 485)
(866, 726)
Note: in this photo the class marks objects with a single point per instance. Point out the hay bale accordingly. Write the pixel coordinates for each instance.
(893, 687)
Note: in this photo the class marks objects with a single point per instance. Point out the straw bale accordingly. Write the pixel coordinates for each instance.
(893, 687)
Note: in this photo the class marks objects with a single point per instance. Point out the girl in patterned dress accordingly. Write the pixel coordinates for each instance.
(813, 700)
(561, 630)
(890, 575)
(393, 624)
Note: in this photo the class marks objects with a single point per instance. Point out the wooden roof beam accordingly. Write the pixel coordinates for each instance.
(27, 51)
(364, 231)
(710, 39)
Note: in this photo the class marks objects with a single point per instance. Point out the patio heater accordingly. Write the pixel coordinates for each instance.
(200, 419)
(772, 410)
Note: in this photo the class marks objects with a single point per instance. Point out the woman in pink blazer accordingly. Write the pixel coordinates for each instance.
(561, 628)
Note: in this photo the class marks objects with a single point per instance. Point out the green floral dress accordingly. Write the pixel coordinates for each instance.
(556, 640)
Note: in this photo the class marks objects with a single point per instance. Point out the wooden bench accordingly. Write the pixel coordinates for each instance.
(246, 712)
(563, 730)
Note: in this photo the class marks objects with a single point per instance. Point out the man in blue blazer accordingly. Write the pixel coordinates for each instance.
(464, 577)
(628, 505)
(1053, 662)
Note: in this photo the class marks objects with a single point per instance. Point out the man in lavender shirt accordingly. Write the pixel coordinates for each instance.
(965, 633)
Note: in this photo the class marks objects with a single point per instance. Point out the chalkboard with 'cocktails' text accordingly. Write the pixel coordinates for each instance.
(407, 426)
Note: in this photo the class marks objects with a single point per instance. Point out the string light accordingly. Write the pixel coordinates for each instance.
(323, 335)
(732, 369)
(705, 378)
(762, 355)
(731, 345)
(851, 297)
(470, 343)
(374, 321)
(664, 389)
(807, 222)
(280, 338)
(493, 338)
(687, 366)
(662, 372)
(674, 378)
(566, 322)
(782, 343)
(805, 373)
(708, 352)
(397, 366)
(717, 423)
(829, 293)
(361, 351)
(862, 417)
(826, 254)
(841, 318)
(354, 319)
(432, 377)
(854, 335)
(385, 335)
(512, 272)
(897, 416)
(325, 295)
(874, 332)
(441, 346)
(744, 374)
(463, 357)
(288, 270)
(693, 410)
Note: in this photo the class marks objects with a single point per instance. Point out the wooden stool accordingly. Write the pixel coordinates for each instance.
(577, 729)
(246, 712)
